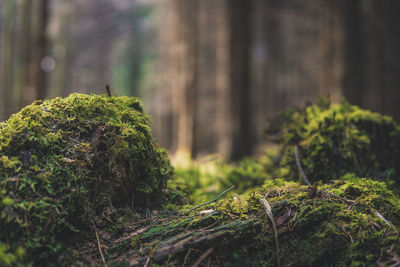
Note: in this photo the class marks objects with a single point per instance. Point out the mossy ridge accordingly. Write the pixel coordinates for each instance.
(67, 161)
(326, 225)
(337, 139)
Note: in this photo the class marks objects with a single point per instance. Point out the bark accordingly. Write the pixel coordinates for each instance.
(7, 32)
(224, 135)
(186, 87)
(370, 58)
(37, 76)
(239, 13)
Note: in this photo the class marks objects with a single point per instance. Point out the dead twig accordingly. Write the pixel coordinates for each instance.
(108, 90)
(348, 201)
(296, 154)
(380, 216)
(103, 260)
(202, 257)
(268, 210)
(211, 201)
(147, 262)
(186, 256)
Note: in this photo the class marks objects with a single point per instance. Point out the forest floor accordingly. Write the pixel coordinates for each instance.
(82, 183)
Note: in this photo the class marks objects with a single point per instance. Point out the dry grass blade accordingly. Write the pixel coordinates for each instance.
(296, 154)
(211, 201)
(268, 210)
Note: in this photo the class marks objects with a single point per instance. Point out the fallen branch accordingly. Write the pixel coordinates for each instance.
(268, 210)
(211, 201)
(296, 154)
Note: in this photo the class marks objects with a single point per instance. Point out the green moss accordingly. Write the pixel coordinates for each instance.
(69, 161)
(8, 258)
(322, 225)
(337, 139)
(246, 174)
(198, 182)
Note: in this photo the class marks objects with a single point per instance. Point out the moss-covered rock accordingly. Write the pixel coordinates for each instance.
(67, 162)
(337, 139)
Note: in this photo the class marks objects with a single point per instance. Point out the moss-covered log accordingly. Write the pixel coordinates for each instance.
(352, 221)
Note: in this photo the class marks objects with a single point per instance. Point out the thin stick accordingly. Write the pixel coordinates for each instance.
(147, 262)
(211, 201)
(268, 210)
(186, 256)
(108, 90)
(296, 154)
(202, 257)
(99, 246)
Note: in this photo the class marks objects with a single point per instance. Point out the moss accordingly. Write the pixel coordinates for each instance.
(246, 174)
(337, 139)
(317, 226)
(328, 228)
(198, 182)
(68, 162)
(11, 258)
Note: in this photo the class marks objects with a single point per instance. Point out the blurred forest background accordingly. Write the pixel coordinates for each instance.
(209, 71)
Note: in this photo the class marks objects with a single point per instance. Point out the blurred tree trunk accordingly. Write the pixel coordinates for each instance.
(38, 46)
(331, 48)
(239, 13)
(202, 68)
(61, 22)
(23, 46)
(23, 53)
(372, 38)
(184, 96)
(223, 126)
(8, 21)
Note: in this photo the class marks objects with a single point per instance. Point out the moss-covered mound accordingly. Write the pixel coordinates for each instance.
(69, 162)
(337, 139)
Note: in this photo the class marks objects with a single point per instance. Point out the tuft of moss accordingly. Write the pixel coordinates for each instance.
(245, 174)
(68, 162)
(337, 139)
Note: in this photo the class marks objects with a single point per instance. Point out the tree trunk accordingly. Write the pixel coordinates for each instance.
(185, 92)
(22, 56)
(371, 77)
(37, 76)
(7, 31)
(239, 13)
